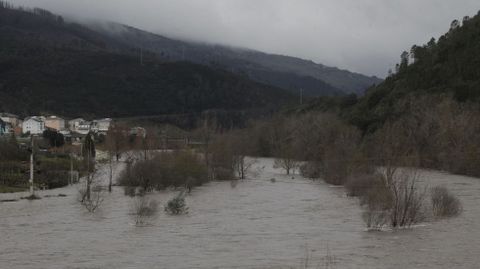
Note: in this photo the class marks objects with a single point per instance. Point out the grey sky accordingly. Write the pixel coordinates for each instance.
(365, 36)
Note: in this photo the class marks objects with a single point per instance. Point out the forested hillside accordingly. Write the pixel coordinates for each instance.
(50, 66)
(449, 67)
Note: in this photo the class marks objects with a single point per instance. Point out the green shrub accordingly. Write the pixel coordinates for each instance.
(177, 205)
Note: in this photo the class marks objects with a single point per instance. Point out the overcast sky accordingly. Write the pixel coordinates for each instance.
(365, 36)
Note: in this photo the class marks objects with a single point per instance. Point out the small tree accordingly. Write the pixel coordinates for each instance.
(54, 138)
(286, 158)
(95, 199)
(89, 162)
(205, 134)
(241, 147)
(116, 140)
(91, 193)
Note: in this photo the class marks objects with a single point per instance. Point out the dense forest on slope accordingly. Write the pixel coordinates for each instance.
(50, 66)
(448, 67)
(426, 114)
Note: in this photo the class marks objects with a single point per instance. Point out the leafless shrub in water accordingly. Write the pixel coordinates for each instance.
(408, 197)
(327, 262)
(398, 201)
(93, 201)
(144, 209)
(91, 193)
(444, 203)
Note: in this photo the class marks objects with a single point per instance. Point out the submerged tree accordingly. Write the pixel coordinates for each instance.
(91, 200)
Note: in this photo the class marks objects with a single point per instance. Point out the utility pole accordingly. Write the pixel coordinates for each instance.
(71, 169)
(301, 96)
(32, 192)
(141, 56)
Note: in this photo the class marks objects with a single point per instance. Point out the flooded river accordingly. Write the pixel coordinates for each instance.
(257, 224)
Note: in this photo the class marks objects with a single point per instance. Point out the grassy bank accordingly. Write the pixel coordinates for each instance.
(8, 189)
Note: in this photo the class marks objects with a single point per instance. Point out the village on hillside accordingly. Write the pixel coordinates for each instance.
(73, 130)
(36, 125)
(52, 149)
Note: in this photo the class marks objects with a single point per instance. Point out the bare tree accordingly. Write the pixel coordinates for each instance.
(407, 199)
(282, 136)
(242, 165)
(205, 134)
(91, 194)
(240, 143)
(393, 147)
(286, 159)
(89, 162)
(95, 200)
(398, 201)
(116, 140)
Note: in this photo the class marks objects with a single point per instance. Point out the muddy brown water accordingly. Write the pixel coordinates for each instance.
(256, 224)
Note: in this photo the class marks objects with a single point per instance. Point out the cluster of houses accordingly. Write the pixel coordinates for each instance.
(36, 125)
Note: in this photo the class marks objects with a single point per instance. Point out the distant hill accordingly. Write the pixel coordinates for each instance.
(50, 66)
(282, 71)
(448, 67)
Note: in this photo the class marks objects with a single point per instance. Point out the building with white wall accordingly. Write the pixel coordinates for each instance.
(14, 120)
(101, 126)
(33, 125)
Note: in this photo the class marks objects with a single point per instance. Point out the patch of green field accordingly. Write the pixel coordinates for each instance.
(7, 189)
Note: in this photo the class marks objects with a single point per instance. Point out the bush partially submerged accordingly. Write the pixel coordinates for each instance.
(444, 203)
(144, 209)
(377, 201)
(31, 197)
(167, 169)
(310, 170)
(177, 205)
(396, 201)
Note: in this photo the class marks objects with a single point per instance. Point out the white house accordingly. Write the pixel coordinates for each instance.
(73, 124)
(14, 120)
(138, 131)
(101, 126)
(33, 125)
(84, 127)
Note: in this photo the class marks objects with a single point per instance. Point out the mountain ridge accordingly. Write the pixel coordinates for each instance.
(50, 66)
(330, 80)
